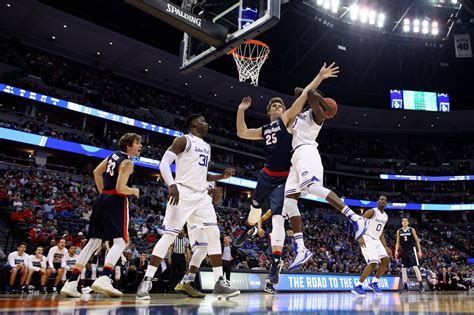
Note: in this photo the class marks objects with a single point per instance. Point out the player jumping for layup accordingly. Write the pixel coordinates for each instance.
(190, 203)
(407, 237)
(272, 178)
(109, 219)
(374, 247)
(306, 172)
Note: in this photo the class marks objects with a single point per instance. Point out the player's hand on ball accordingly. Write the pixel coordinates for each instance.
(329, 72)
(246, 102)
(228, 172)
(361, 242)
(173, 195)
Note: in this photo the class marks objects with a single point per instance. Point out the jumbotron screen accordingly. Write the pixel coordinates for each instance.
(419, 100)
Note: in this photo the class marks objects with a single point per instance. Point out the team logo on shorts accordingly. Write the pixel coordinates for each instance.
(305, 173)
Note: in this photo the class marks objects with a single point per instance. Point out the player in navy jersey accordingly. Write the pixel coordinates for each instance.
(109, 219)
(271, 179)
(411, 252)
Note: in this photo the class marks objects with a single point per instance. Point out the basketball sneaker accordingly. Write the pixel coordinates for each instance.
(189, 289)
(301, 258)
(144, 289)
(246, 234)
(374, 286)
(358, 290)
(223, 290)
(269, 287)
(360, 227)
(274, 275)
(70, 289)
(103, 285)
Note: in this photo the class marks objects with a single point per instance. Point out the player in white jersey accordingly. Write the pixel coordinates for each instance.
(55, 258)
(37, 266)
(190, 203)
(374, 247)
(68, 262)
(306, 172)
(18, 262)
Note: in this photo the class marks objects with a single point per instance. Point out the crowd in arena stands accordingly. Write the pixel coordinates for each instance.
(78, 78)
(50, 210)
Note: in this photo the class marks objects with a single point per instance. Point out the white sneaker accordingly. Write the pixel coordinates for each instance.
(70, 289)
(103, 285)
(301, 258)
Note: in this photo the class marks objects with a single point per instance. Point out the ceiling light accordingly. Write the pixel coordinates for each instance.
(435, 31)
(425, 30)
(354, 12)
(416, 29)
(110, 43)
(200, 76)
(65, 26)
(424, 23)
(98, 53)
(434, 24)
(320, 2)
(159, 61)
(146, 70)
(416, 22)
(406, 28)
(9, 5)
(326, 4)
(380, 23)
(53, 37)
(363, 15)
(406, 21)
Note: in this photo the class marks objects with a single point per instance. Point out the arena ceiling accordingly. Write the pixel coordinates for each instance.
(373, 61)
(79, 39)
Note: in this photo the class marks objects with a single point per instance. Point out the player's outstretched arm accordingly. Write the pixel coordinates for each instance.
(317, 107)
(325, 72)
(242, 130)
(99, 173)
(177, 147)
(125, 170)
(228, 172)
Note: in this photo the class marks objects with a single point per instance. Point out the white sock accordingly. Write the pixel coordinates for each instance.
(218, 272)
(189, 278)
(151, 270)
(299, 241)
(358, 283)
(375, 280)
(350, 214)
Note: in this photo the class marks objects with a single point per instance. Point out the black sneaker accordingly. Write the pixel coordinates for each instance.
(246, 234)
(269, 287)
(274, 275)
(404, 288)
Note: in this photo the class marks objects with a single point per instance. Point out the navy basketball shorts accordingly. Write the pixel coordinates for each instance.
(270, 191)
(110, 217)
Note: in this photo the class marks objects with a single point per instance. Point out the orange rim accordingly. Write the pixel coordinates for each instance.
(250, 41)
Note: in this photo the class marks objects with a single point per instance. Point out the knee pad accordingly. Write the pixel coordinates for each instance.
(278, 230)
(213, 240)
(319, 191)
(290, 208)
(161, 248)
(254, 215)
(199, 255)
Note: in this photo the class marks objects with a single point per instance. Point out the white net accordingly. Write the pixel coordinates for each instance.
(249, 58)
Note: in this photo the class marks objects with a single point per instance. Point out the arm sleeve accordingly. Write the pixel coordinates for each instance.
(165, 168)
(11, 260)
(50, 257)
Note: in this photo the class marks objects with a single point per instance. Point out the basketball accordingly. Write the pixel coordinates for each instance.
(332, 103)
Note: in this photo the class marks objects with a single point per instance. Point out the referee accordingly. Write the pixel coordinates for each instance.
(179, 254)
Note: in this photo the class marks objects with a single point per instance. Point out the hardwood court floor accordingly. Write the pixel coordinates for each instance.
(254, 303)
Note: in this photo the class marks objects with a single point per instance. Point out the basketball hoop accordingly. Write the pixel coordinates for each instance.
(249, 58)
